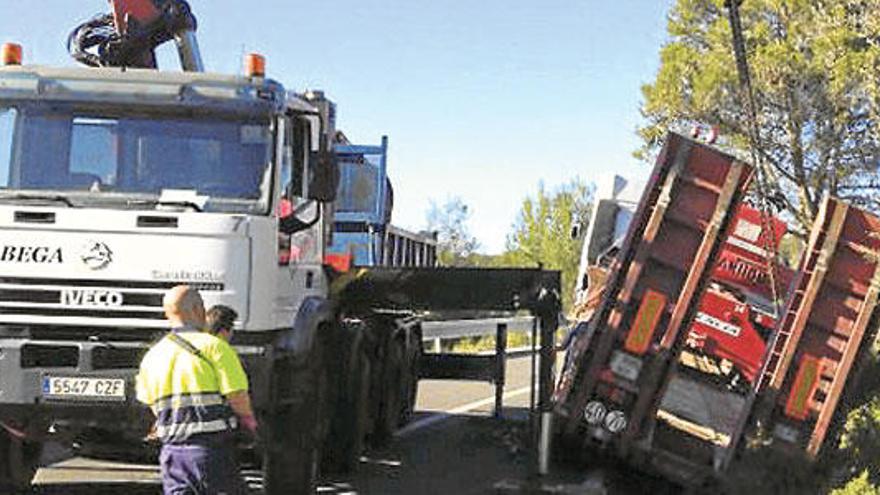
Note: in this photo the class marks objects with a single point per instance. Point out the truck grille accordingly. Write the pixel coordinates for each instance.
(88, 298)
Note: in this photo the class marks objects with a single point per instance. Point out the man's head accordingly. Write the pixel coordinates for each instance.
(184, 307)
(221, 320)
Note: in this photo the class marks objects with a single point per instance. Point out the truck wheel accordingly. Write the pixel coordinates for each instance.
(393, 385)
(292, 437)
(19, 461)
(410, 386)
(289, 465)
(351, 421)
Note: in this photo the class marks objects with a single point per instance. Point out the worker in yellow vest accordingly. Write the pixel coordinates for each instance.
(195, 385)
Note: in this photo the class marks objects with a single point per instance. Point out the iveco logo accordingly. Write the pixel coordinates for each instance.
(96, 255)
(89, 297)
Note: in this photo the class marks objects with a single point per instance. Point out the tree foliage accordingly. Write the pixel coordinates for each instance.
(542, 232)
(814, 67)
(860, 485)
(455, 242)
(860, 441)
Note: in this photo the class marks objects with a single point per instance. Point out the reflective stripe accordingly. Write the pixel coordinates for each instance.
(193, 415)
(188, 400)
(180, 417)
(179, 433)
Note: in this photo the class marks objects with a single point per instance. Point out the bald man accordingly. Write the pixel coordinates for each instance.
(195, 385)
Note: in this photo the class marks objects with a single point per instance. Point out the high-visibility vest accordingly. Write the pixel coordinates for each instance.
(186, 390)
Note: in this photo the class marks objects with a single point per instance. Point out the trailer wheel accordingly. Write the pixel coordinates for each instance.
(19, 460)
(293, 431)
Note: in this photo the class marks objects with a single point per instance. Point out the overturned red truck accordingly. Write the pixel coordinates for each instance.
(696, 330)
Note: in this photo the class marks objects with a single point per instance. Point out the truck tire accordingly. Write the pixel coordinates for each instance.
(393, 386)
(351, 421)
(292, 436)
(289, 465)
(410, 385)
(19, 461)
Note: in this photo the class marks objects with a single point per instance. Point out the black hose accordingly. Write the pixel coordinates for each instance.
(96, 32)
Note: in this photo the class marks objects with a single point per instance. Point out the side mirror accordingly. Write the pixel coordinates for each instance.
(324, 177)
(575, 233)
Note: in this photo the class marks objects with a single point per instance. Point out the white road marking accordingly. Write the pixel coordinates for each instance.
(439, 417)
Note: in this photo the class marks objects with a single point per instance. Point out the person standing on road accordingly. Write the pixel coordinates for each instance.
(196, 387)
(221, 321)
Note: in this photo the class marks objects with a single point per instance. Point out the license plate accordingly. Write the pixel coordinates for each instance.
(62, 387)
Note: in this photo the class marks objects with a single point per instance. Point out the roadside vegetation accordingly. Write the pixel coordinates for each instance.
(487, 343)
(813, 67)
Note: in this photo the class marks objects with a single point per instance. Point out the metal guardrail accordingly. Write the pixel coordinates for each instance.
(489, 367)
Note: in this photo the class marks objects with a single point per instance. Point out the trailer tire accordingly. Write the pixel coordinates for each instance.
(19, 460)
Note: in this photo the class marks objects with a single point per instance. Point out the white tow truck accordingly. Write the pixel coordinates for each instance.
(118, 183)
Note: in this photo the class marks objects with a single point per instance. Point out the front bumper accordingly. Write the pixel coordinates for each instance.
(25, 363)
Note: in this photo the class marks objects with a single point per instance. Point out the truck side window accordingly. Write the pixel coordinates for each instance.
(7, 131)
(300, 152)
(285, 173)
(304, 246)
(285, 206)
(293, 161)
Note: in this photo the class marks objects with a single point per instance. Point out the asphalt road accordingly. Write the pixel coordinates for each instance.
(453, 446)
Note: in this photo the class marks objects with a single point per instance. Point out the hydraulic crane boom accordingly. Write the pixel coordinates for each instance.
(128, 36)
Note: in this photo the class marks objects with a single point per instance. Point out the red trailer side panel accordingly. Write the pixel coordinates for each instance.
(824, 326)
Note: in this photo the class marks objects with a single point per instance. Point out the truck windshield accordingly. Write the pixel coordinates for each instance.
(90, 157)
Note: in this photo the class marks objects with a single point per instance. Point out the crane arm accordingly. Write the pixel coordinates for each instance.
(129, 35)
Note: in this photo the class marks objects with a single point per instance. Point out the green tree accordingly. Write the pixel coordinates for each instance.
(814, 66)
(860, 441)
(860, 485)
(542, 232)
(455, 243)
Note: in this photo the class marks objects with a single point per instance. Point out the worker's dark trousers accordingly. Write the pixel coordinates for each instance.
(193, 469)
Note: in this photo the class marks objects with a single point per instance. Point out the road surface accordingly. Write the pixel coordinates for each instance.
(453, 446)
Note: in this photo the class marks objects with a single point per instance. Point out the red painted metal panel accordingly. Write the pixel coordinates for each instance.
(726, 328)
(743, 261)
(142, 11)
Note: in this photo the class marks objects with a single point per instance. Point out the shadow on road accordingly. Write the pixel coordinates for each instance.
(460, 454)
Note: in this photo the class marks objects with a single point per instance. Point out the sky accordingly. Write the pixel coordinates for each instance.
(480, 99)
